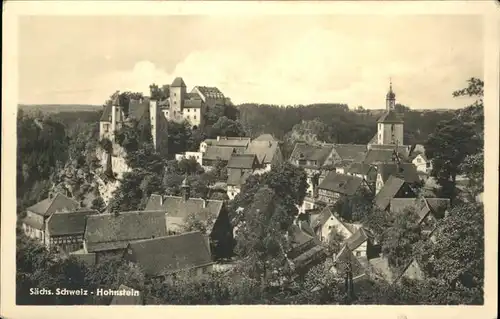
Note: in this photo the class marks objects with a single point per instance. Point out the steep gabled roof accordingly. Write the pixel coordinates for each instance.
(192, 104)
(110, 231)
(356, 239)
(376, 156)
(350, 151)
(170, 254)
(391, 117)
(237, 177)
(243, 161)
(72, 223)
(303, 151)
(341, 183)
(106, 113)
(58, 202)
(264, 150)
(405, 171)
(218, 152)
(236, 142)
(388, 192)
(359, 168)
(345, 257)
(176, 206)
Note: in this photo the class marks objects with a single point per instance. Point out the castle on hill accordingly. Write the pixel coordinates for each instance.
(179, 106)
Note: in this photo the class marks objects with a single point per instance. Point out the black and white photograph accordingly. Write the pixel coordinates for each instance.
(248, 158)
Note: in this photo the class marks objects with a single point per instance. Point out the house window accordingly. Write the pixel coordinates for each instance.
(427, 165)
(194, 117)
(188, 117)
(358, 254)
(106, 128)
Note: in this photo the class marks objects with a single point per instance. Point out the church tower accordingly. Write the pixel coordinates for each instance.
(390, 125)
(177, 95)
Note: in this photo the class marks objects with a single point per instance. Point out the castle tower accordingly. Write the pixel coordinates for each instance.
(116, 115)
(390, 125)
(177, 95)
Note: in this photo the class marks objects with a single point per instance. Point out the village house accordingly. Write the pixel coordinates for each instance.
(267, 150)
(421, 161)
(327, 222)
(345, 261)
(334, 185)
(405, 171)
(380, 268)
(239, 168)
(107, 235)
(363, 244)
(34, 225)
(239, 144)
(306, 250)
(428, 210)
(395, 187)
(164, 257)
(65, 230)
(179, 209)
(216, 153)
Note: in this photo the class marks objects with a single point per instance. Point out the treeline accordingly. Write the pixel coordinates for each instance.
(334, 123)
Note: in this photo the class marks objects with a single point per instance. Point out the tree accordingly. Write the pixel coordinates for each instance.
(159, 94)
(473, 168)
(261, 242)
(448, 147)
(399, 240)
(457, 256)
(226, 127)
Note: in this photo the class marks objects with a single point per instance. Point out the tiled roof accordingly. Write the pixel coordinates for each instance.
(210, 92)
(127, 300)
(390, 189)
(192, 103)
(438, 206)
(356, 239)
(242, 142)
(193, 96)
(403, 150)
(325, 214)
(237, 177)
(341, 183)
(33, 222)
(374, 139)
(137, 109)
(169, 254)
(71, 223)
(244, 161)
(346, 256)
(391, 117)
(178, 82)
(217, 152)
(406, 171)
(49, 205)
(378, 156)
(109, 231)
(359, 168)
(106, 113)
(350, 151)
(264, 150)
(175, 206)
(398, 205)
(311, 152)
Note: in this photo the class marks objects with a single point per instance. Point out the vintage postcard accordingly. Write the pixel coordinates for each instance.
(280, 159)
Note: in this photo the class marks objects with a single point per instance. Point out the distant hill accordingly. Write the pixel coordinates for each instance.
(56, 108)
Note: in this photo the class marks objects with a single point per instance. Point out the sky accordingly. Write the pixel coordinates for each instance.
(274, 59)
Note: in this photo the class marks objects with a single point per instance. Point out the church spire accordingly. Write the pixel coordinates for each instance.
(390, 98)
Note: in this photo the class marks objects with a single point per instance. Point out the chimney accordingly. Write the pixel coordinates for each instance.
(218, 138)
(204, 203)
(51, 195)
